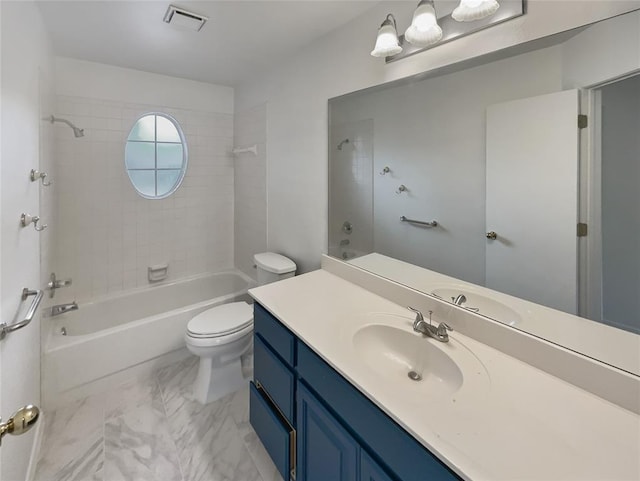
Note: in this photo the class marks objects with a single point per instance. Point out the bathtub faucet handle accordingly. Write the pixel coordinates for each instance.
(56, 284)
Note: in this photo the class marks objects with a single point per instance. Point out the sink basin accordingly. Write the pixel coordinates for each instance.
(394, 353)
(485, 306)
(386, 354)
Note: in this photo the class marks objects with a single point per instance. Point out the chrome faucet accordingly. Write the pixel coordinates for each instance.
(63, 308)
(419, 325)
(460, 299)
(56, 284)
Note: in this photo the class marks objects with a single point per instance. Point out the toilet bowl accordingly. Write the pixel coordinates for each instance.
(219, 336)
(222, 334)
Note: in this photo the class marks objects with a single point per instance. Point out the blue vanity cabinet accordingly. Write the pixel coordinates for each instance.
(272, 392)
(326, 451)
(340, 435)
(275, 335)
(272, 375)
(272, 429)
(370, 470)
(403, 456)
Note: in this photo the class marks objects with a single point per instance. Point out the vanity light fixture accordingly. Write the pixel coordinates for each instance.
(387, 42)
(471, 10)
(427, 30)
(424, 29)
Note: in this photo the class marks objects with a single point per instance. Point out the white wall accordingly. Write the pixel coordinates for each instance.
(587, 58)
(432, 135)
(298, 89)
(79, 78)
(620, 201)
(107, 234)
(26, 61)
(250, 187)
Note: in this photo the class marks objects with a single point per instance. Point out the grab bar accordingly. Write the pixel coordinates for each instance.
(433, 223)
(7, 328)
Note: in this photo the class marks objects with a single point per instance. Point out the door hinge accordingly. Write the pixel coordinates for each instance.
(582, 121)
(582, 229)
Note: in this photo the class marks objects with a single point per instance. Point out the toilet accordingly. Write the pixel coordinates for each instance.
(222, 334)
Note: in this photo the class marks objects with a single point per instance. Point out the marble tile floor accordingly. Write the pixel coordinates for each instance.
(153, 430)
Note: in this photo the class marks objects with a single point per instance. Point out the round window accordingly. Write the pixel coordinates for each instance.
(156, 155)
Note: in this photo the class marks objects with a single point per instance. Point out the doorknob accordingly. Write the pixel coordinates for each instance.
(21, 421)
(492, 235)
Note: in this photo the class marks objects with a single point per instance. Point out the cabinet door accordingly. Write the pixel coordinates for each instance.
(370, 470)
(325, 450)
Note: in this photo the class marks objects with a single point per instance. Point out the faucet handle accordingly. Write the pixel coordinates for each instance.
(419, 316)
(443, 327)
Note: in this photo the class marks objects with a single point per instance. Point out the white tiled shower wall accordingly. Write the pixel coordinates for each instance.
(107, 235)
(250, 128)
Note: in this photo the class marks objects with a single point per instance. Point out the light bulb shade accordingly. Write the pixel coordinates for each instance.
(424, 29)
(470, 10)
(387, 43)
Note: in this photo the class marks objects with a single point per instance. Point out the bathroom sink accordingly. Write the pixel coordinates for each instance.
(391, 356)
(480, 304)
(408, 358)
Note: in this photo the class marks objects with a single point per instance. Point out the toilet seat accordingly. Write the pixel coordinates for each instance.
(220, 321)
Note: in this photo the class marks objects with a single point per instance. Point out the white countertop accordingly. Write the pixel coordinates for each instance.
(519, 423)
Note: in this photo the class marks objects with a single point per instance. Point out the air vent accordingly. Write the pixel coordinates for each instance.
(184, 19)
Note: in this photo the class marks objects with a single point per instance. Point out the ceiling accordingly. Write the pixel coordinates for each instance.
(240, 38)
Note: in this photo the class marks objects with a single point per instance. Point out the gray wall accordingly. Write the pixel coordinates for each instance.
(621, 203)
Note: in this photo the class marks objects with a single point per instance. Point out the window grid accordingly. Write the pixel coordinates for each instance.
(156, 168)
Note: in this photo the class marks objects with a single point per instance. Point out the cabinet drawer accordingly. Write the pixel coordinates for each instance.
(274, 376)
(277, 437)
(274, 333)
(404, 456)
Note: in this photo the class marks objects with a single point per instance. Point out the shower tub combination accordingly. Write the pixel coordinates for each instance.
(137, 328)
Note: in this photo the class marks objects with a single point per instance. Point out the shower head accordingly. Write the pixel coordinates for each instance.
(345, 141)
(76, 131)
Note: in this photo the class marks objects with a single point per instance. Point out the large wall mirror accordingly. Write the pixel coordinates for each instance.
(504, 178)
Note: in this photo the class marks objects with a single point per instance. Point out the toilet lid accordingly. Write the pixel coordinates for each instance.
(221, 320)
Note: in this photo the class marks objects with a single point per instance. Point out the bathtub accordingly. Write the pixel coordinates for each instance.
(120, 332)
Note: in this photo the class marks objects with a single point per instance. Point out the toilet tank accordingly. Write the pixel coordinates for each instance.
(273, 267)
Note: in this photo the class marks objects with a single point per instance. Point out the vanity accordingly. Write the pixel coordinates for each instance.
(345, 389)
(339, 433)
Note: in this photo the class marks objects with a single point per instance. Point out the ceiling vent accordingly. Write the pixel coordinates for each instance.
(185, 19)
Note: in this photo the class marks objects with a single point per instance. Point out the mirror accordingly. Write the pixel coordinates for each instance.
(482, 173)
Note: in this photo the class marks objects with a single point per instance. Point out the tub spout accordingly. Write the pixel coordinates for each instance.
(62, 308)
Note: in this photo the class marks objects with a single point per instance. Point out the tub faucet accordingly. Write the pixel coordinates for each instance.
(439, 333)
(63, 308)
